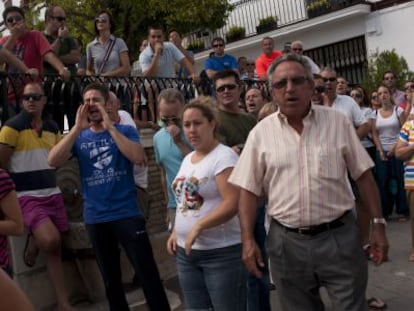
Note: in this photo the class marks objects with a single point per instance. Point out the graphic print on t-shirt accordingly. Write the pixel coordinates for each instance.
(101, 158)
(187, 193)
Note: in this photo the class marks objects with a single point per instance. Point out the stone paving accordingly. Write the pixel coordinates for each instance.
(393, 281)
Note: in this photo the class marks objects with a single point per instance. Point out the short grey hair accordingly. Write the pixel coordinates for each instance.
(329, 69)
(289, 58)
(297, 42)
(171, 95)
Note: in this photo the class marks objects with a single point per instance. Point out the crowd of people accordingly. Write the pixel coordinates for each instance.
(286, 184)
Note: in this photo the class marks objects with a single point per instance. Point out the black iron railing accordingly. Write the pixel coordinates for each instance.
(249, 13)
(64, 98)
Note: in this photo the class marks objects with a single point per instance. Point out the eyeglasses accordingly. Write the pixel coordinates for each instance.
(320, 89)
(59, 18)
(12, 19)
(409, 87)
(295, 81)
(250, 64)
(167, 120)
(100, 20)
(229, 87)
(33, 96)
(218, 45)
(331, 79)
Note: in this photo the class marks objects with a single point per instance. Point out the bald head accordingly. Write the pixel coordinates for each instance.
(112, 106)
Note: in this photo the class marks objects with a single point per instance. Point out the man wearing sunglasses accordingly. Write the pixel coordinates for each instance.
(318, 97)
(300, 156)
(297, 48)
(219, 60)
(64, 46)
(234, 125)
(25, 142)
(31, 47)
(344, 103)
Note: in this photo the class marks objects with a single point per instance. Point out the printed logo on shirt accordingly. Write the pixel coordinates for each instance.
(187, 194)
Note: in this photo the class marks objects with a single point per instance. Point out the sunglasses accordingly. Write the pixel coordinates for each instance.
(332, 79)
(297, 50)
(12, 19)
(409, 87)
(59, 18)
(320, 89)
(218, 45)
(250, 64)
(167, 120)
(33, 96)
(229, 87)
(295, 81)
(100, 20)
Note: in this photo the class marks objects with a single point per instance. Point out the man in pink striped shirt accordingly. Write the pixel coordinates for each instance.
(302, 166)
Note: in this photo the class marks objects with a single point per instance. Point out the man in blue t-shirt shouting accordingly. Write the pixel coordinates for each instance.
(106, 154)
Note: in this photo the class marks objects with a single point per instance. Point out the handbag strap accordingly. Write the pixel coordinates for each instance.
(106, 57)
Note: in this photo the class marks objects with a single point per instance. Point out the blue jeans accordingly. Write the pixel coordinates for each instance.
(392, 169)
(131, 234)
(258, 295)
(213, 279)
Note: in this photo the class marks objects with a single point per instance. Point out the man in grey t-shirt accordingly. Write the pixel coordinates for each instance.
(159, 57)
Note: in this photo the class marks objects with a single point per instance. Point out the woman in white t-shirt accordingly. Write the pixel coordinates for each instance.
(206, 237)
(389, 170)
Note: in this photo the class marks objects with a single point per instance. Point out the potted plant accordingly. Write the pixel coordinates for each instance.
(196, 46)
(235, 33)
(267, 24)
(318, 7)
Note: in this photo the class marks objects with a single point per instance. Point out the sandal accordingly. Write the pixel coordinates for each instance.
(376, 304)
(30, 252)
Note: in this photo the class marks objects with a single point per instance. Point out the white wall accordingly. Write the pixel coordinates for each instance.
(386, 29)
(392, 28)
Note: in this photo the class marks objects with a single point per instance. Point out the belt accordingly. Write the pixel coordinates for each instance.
(314, 230)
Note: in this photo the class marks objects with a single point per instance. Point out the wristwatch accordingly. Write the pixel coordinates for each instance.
(381, 220)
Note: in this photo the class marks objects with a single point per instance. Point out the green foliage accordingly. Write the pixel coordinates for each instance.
(318, 4)
(235, 32)
(379, 63)
(196, 45)
(133, 17)
(270, 20)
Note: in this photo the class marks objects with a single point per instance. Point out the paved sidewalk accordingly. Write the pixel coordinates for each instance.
(393, 281)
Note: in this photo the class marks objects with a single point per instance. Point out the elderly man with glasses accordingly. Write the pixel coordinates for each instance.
(302, 166)
(297, 48)
(219, 61)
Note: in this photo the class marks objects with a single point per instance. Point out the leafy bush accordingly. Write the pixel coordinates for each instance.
(379, 63)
